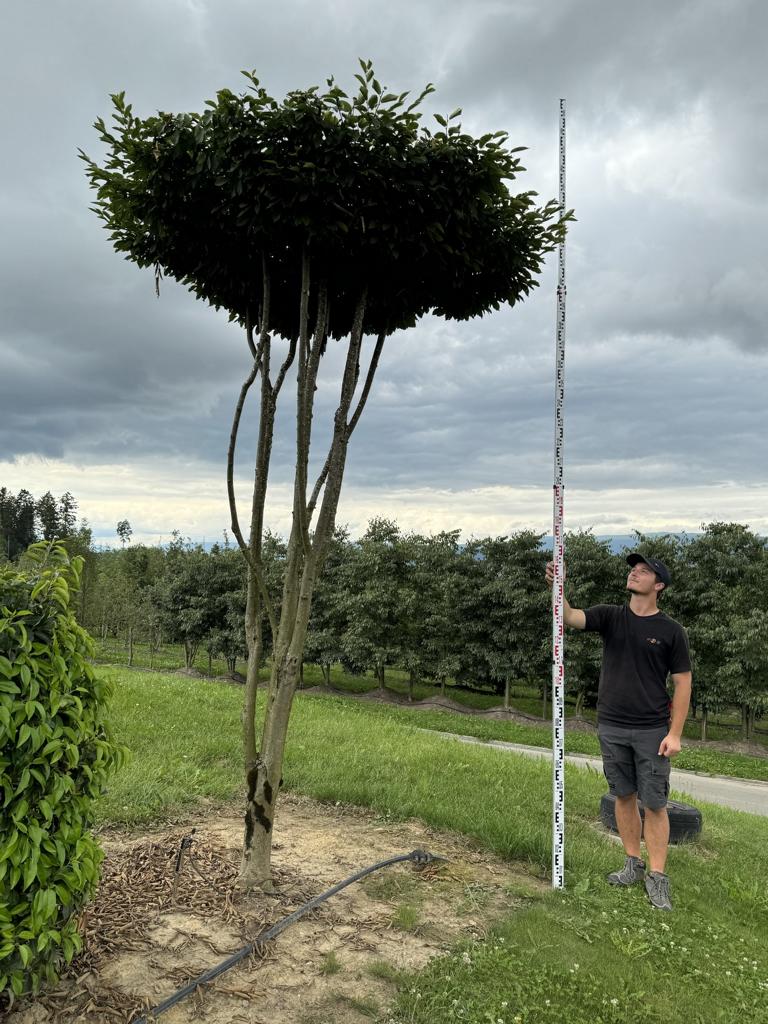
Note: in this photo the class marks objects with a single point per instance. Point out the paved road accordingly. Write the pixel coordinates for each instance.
(739, 794)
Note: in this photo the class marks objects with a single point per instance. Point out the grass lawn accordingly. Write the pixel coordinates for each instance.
(589, 955)
(695, 759)
(524, 698)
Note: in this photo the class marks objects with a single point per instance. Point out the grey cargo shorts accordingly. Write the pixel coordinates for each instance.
(632, 763)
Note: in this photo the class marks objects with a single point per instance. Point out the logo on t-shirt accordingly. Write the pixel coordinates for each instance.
(652, 640)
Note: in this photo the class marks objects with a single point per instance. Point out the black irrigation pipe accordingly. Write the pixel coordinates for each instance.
(419, 857)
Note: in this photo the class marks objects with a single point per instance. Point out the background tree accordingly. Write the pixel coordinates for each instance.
(184, 597)
(226, 633)
(17, 522)
(47, 512)
(725, 582)
(322, 216)
(328, 620)
(432, 595)
(67, 514)
(471, 612)
(595, 575)
(373, 591)
(124, 532)
(516, 604)
(745, 668)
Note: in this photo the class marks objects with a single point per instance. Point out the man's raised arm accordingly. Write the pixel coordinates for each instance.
(573, 617)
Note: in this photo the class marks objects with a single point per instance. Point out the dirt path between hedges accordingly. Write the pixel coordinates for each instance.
(336, 966)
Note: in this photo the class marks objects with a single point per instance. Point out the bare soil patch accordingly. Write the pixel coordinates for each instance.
(150, 931)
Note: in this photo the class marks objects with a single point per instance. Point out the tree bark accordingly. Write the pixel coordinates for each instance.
(544, 702)
(704, 720)
(190, 653)
(506, 694)
(325, 668)
(744, 721)
(264, 776)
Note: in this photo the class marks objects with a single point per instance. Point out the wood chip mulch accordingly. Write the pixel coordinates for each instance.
(139, 883)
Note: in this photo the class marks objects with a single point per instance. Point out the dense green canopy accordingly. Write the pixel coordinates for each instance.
(424, 221)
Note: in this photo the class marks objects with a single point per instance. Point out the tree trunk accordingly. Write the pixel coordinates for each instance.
(325, 668)
(210, 664)
(579, 703)
(380, 674)
(704, 720)
(264, 773)
(264, 778)
(750, 723)
(411, 681)
(442, 686)
(506, 693)
(744, 721)
(130, 646)
(544, 703)
(190, 653)
(301, 676)
(151, 647)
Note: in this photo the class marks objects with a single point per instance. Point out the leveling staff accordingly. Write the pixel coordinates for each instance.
(638, 729)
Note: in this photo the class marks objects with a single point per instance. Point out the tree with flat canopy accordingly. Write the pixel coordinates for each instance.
(325, 219)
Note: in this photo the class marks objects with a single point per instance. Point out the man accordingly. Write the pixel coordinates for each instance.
(639, 730)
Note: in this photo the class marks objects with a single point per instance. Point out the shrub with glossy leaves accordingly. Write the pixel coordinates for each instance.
(56, 752)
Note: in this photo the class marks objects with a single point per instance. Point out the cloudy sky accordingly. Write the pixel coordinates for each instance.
(126, 400)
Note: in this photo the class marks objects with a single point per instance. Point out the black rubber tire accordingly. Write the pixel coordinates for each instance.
(684, 821)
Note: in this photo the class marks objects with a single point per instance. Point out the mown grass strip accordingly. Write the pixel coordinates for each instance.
(714, 762)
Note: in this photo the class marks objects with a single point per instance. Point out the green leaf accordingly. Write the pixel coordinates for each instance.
(24, 780)
(30, 871)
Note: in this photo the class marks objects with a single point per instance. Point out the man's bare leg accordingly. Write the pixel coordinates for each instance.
(629, 824)
(656, 834)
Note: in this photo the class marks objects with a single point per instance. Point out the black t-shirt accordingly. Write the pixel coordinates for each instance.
(639, 651)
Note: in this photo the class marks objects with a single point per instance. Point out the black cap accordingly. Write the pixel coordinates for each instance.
(658, 567)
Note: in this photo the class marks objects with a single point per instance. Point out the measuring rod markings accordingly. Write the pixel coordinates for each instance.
(558, 673)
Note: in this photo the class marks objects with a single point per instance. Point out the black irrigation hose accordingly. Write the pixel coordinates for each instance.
(420, 857)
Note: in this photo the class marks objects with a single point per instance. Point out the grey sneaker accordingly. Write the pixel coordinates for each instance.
(632, 872)
(657, 887)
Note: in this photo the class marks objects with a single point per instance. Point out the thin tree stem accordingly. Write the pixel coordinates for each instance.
(368, 382)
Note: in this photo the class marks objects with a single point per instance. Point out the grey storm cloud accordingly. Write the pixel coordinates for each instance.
(667, 286)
